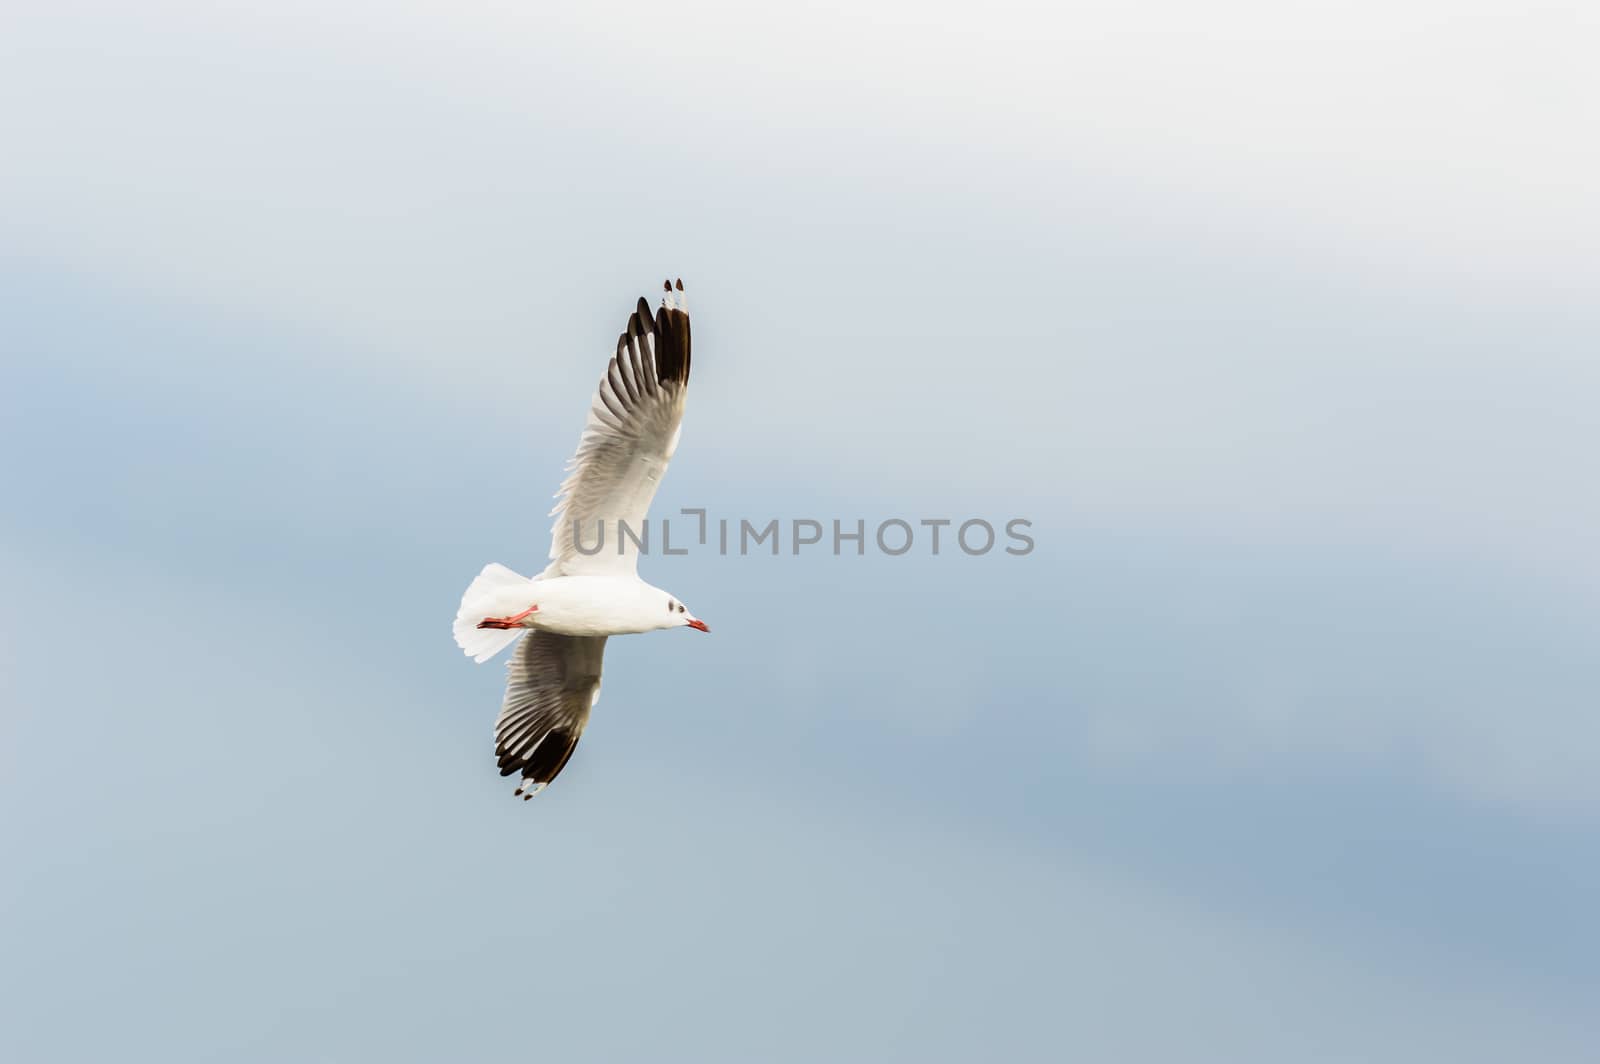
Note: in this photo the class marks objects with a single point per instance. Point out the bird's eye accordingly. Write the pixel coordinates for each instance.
(680, 607)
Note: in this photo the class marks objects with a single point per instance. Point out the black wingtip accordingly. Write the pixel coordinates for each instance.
(672, 345)
(545, 760)
(670, 326)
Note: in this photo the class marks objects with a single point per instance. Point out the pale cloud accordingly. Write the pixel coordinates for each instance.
(1251, 278)
(325, 160)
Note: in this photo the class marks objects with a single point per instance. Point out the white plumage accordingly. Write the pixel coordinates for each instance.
(591, 589)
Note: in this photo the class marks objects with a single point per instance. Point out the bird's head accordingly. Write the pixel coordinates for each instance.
(680, 617)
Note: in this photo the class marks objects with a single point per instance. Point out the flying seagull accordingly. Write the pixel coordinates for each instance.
(588, 592)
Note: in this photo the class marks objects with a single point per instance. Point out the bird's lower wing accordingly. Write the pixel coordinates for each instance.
(553, 682)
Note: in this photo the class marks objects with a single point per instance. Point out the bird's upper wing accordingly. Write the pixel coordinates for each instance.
(554, 681)
(626, 444)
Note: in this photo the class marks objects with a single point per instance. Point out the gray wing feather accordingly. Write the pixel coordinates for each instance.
(627, 442)
(553, 682)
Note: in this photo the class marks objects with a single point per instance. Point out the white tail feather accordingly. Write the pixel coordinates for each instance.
(481, 644)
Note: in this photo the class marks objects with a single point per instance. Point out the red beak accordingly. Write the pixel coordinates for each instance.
(699, 625)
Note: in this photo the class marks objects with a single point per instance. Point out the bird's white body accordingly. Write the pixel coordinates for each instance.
(584, 596)
(583, 605)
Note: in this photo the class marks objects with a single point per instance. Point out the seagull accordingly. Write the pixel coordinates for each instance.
(591, 589)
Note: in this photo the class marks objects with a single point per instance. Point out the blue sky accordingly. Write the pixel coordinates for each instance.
(1277, 326)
